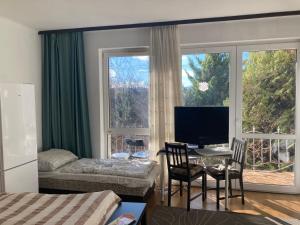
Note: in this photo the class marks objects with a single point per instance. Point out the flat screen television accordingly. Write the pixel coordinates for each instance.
(202, 125)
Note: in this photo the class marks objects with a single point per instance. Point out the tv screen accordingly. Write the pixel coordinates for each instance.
(202, 125)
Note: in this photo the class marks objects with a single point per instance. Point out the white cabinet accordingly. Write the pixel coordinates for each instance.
(22, 178)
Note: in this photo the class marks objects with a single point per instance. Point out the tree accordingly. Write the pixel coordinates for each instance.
(268, 87)
(212, 71)
(129, 77)
(269, 91)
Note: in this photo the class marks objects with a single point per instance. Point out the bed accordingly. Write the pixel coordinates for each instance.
(131, 179)
(34, 208)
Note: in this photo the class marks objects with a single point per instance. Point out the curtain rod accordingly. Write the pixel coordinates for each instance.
(177, 22)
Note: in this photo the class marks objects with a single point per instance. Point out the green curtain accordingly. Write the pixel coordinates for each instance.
(65, 117)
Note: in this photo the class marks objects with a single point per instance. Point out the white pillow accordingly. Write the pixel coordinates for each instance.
(54, 158)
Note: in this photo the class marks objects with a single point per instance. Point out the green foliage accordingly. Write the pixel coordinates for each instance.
(268, 87)
(214, 70)
(269, 91)
(128, 92)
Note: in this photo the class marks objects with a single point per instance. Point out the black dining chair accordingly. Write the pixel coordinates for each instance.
(234, 172)
(180, 169)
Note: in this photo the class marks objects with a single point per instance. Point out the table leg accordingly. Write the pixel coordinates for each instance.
(162, 178)
(226, 184)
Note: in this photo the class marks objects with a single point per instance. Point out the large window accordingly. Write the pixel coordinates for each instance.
(205, 81)
(128, 91)
(267, 106)
(259, 84)
(269, 90)
(127, 79)
(208, 79)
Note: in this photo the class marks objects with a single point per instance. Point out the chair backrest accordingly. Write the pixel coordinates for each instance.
(177, 156)
(239, 148)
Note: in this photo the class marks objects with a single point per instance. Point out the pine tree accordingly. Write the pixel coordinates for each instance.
(269, 91)
(213, 70)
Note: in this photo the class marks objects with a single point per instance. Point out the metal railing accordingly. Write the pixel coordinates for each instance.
(269, 152)
(120, 143)
(274, 152)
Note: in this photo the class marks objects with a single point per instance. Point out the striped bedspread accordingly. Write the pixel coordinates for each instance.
(79, 209)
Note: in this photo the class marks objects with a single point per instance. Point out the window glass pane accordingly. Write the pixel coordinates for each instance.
(269, 91)
(128, 91)
(205, 79)
(135, 145)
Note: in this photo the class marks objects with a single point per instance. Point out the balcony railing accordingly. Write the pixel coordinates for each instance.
(129, 143)
(270, 152)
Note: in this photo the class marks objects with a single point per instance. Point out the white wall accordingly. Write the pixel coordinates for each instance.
(222, 32)
(20, 60)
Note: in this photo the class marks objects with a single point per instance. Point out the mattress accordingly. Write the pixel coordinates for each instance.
(80, 209)
(84, 182)
(137, 168)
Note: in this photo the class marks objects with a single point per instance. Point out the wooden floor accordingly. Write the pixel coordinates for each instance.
(257, 203)
(268, 177)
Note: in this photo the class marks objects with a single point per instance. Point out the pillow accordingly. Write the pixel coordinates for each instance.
(54, 158)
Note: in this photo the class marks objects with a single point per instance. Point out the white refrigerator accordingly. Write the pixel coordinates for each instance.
(18, 141)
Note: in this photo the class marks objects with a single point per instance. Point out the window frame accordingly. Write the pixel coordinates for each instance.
(239, 90)
(235, 98)
(108, 131)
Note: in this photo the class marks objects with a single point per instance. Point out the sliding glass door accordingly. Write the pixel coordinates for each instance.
(267, 111)
(260, 84)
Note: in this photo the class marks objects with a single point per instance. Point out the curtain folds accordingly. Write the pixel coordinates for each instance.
(165, 84)
(65, 115)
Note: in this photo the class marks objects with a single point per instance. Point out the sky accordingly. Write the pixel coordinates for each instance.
(139, 65)
(186, 68)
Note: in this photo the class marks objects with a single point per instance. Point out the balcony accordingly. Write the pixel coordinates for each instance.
(268, 161)
(134, 145)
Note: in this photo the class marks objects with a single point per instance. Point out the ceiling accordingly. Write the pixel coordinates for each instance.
(59, 14)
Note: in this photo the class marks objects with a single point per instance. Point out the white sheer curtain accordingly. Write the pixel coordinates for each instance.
(165, 84)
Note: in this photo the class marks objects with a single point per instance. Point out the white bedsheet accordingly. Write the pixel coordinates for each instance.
(136, 168)
(131, 182)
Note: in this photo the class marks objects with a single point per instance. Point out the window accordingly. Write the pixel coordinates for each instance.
(258, 83)
(267, 109)
(269, 90)
(128, 91)
(206, 75)
(127, 83)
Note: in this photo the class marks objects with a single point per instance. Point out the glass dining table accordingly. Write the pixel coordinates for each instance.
(218, 152)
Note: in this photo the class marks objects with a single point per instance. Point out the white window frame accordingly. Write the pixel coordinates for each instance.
(261, 47)
(108, 131)
(235, 99)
